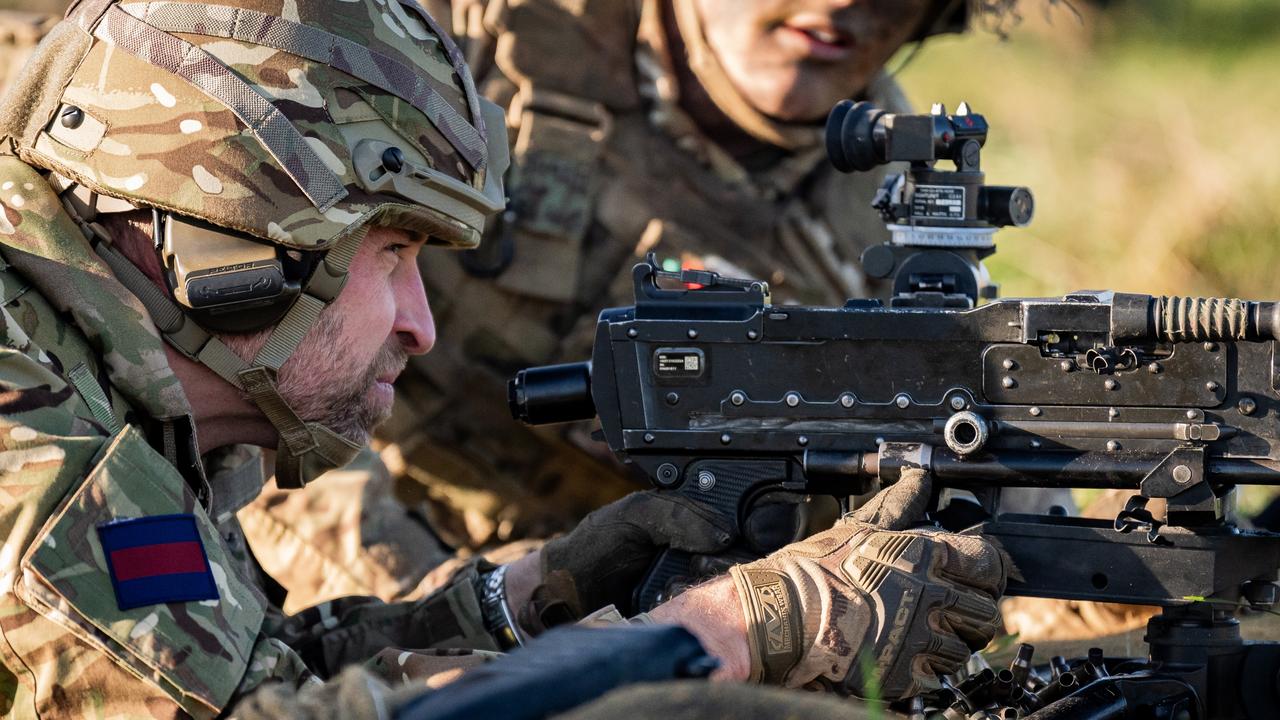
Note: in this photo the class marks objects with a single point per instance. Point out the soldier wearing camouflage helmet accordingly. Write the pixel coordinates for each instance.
(209, 223)
(199, 205)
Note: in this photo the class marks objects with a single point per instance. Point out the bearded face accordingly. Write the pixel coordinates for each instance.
(327, 387)
(341, 375)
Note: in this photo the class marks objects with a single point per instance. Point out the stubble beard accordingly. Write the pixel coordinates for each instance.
(317, 382)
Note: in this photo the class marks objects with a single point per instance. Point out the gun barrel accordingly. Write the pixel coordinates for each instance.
(552, 394)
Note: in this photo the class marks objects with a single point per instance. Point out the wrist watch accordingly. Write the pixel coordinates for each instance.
(499, 621)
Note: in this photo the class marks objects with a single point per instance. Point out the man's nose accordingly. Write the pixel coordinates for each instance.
(414, 326)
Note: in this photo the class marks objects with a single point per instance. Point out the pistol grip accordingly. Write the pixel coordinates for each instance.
(668, 566)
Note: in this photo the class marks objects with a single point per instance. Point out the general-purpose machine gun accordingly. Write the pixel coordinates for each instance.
(717, 394)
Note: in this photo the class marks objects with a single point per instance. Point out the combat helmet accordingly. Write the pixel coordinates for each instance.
(266, 137)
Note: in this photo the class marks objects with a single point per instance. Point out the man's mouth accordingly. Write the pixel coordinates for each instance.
(818, 37)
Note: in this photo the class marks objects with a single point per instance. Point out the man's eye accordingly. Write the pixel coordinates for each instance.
(397, 248)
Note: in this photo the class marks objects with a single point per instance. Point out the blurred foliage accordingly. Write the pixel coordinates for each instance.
(44, 7)
(1146, 130)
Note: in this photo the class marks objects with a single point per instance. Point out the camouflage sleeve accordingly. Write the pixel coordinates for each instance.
(375, 690)
(68, 648)
(90, 627)
(354, 694)
(353, 630)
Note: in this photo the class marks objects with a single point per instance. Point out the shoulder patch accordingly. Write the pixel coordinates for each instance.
(106, 566)
(155, 560)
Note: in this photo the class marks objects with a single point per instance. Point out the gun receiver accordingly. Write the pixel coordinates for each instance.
(719, 395)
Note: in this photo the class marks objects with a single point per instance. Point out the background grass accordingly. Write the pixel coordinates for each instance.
(1148, 133)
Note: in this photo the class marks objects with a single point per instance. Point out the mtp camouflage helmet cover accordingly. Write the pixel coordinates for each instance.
(267, 117)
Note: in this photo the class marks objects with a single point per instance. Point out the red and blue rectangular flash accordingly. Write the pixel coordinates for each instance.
(156, 560)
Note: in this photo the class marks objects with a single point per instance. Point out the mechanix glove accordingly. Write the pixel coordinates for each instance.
(868, 607)
(602, 561)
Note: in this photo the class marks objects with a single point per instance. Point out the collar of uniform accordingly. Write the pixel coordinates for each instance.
(236, 475)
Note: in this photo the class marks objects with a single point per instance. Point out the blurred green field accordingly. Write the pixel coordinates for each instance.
(1148, 133)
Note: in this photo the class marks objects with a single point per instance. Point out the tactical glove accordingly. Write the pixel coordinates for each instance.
(870, 608)
(604, 559)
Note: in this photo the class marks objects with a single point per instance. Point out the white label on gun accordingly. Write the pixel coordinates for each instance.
(682, 363)
(938, 201)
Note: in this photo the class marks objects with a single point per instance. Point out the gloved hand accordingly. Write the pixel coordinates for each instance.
(869, 607)
(605, 557)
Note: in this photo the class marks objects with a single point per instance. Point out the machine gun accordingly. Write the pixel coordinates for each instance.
(717, 394)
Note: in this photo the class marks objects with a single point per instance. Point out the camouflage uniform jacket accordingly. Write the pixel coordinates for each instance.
(606, 166)
(86, 395)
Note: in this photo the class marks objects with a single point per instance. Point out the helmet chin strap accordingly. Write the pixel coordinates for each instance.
(306, 449)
